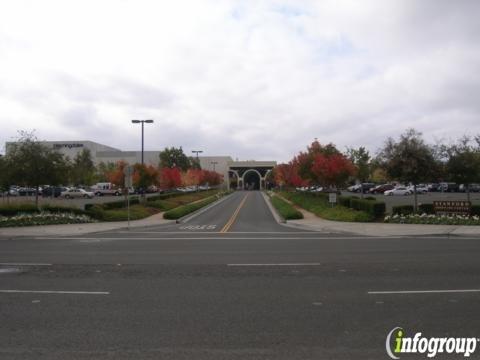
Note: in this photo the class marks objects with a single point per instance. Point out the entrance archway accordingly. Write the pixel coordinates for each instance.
(252, 180)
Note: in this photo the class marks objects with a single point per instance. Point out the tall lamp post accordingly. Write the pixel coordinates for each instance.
(198, 161)
(142, 122)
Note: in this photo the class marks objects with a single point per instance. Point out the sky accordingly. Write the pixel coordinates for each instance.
(252, 79)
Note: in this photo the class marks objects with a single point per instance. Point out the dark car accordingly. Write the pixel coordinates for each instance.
(380, 189)
(24, 191)
(471, 188)
(365, 187)
(433, 187)
(56, 190)
(448, 187)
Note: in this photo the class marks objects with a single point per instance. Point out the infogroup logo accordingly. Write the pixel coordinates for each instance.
(397, 343)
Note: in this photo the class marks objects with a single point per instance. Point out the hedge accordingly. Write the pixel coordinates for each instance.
(402, 209)
(286, 210)
(375, 208)
(183, 210)
(12, 210)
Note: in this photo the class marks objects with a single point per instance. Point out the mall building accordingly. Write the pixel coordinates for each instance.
(244, 174)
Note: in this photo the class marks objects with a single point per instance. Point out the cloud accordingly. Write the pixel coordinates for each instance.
(250, 79)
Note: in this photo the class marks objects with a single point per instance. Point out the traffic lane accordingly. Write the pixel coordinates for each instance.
(211, 219)
(239, 248)
(216, 312)
(255, 215)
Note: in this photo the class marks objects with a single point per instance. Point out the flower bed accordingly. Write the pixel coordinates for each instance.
(44, 218)
(432, 219)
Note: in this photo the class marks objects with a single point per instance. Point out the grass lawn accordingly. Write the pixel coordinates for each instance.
(320, 206)
(286, 210)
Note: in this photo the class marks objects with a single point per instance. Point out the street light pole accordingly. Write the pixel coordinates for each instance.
(198, 161)
(142, 122)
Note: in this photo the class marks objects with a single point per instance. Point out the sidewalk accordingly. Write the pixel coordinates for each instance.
(79, 229)
(312, 222)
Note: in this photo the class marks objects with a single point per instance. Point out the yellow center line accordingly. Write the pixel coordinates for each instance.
(230, 222)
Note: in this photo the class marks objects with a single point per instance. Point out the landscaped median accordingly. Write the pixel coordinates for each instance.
(350, 209)
(176, 205)
(285, 209)
(30, 215)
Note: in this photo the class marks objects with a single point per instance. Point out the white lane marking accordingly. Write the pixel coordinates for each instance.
(55, 292)
(24, 264)
(202, 238)
(197, 227)
(423, 291)
(279, 264)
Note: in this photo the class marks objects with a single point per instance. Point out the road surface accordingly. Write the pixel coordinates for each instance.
(231, 283)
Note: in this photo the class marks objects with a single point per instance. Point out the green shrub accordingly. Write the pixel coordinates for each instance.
(163, 205)
(475, 210)
(370, 198)
(344, 200)
(14, 209)
(426, 208)
(286, 210)
(320, 206)
(374, 208)
(402, 210)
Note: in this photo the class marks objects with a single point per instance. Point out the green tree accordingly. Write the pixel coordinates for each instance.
(103, 170)
(32, 164)
(463, 164)
(409, 159)
(361, 159)
(174, 157)
(83, 169)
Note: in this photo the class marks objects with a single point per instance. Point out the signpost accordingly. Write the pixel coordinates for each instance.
(128, 172)
(332, 198)
(452, 207)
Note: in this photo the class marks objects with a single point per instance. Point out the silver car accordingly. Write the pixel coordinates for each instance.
(76, 193)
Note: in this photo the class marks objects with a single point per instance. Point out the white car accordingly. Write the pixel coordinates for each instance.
(77, 193)
(401, 190)
(421, 189)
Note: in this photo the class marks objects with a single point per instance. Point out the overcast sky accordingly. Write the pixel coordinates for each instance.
(251, 79)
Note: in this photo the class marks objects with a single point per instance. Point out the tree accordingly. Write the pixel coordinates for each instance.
(174, 157)
(144, 176)
(170, 178)
(287, 175)
(32, 164)
(116, 176)
(409, 159)
(102, 171)
(463, 165)
(304, 160)
(332, 170)
(361, 159)
(83, 169)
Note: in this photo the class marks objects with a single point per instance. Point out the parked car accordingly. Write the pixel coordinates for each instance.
(421, 189)
(101, 189)
(380, 189)
(359, 187)
(433, 187)
(448, 187)
(401, 190)
(25, 191)
(471, 187)
(56, 190)
(77, 193)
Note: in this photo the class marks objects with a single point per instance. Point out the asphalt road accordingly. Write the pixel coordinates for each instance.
(231, 283)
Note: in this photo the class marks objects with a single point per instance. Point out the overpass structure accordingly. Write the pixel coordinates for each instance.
(249, 175)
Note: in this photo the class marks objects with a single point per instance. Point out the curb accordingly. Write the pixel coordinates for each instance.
(278, 218)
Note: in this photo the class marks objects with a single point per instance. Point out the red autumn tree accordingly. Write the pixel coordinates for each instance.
(116, 176)
(170, 178)
(332, 170)
(212, 178)
(287, 175)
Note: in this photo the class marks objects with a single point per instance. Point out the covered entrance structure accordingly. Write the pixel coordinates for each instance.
(250, 175)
